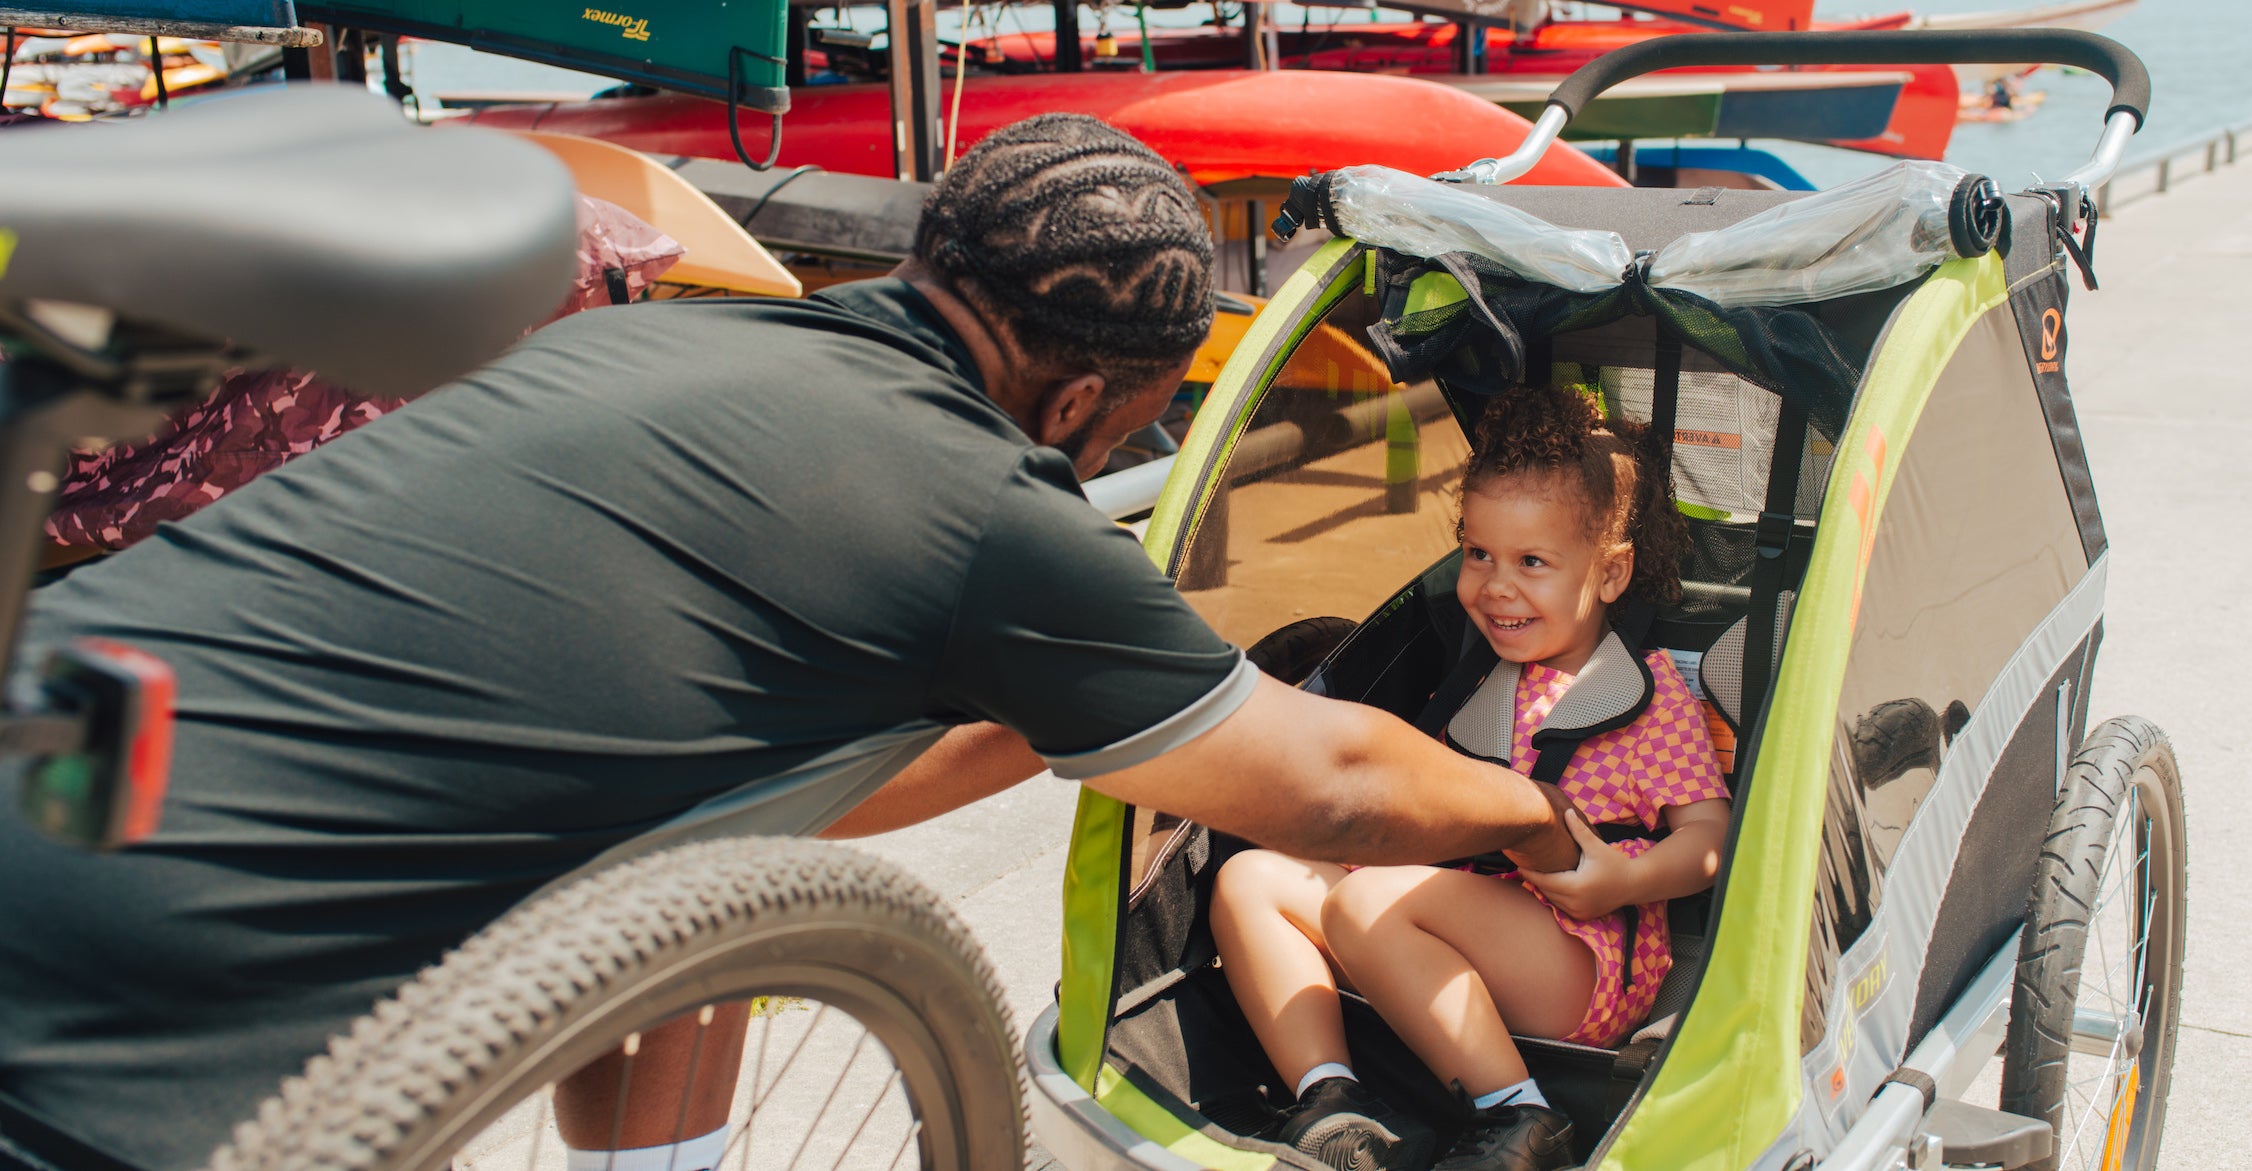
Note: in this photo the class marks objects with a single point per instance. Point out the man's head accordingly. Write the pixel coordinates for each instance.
(1087, 258)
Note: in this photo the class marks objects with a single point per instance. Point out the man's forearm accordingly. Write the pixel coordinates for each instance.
(1412, 799)
(968, 763)
(1337, 781)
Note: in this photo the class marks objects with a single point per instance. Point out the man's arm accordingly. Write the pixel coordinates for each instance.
(1334, 781)
(968, 763)
(1314, 777)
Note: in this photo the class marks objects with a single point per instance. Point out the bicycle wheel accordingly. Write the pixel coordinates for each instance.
(2099, 975)
(811, 963)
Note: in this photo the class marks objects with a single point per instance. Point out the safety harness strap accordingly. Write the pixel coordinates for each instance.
(1777, 524)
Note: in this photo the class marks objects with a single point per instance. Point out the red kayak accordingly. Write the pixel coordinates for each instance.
(1217, 125)
(1923, 119)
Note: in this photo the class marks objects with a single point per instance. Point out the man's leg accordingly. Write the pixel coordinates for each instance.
(675, 1088)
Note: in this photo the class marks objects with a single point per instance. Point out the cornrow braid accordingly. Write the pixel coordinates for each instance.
(1082, 239)
(1620, 469)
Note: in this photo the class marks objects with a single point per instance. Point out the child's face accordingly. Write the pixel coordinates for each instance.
(1534, 579)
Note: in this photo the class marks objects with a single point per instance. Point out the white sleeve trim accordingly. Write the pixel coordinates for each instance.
(1185, 725)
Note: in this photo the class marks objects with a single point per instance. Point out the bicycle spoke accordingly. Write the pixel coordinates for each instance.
(873, 1109)
(904, 1143)
(759, 1099)
(625, 1084)
(830, 1100)
(743, 1136)
(688, 1089)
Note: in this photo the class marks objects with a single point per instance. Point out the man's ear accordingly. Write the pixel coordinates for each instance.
(1067, 406)
(1618, 573)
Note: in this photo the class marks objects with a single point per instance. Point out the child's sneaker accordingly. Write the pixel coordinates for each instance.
(1343, 1124)
(1512, 1138)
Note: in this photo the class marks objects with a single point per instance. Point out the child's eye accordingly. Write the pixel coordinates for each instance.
(1531, 561)
(1474, 553)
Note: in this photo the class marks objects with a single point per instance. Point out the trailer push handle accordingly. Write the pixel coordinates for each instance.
(2114, 62)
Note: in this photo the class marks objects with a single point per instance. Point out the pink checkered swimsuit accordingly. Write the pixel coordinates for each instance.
(1665, 757)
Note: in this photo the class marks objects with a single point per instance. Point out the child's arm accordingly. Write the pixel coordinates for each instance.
(1685, 862)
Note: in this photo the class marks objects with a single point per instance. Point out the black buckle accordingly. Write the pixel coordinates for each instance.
(1774, 534)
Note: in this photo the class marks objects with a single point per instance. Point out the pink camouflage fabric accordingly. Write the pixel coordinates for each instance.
(1664, 758)
(261, 419)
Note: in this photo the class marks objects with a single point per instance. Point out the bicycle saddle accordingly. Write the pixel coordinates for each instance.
(311, 225)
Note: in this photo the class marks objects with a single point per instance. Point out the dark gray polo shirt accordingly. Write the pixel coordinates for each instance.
(655, 559)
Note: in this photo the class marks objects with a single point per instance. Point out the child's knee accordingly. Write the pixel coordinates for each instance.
(1252, 877)
(1359, 902)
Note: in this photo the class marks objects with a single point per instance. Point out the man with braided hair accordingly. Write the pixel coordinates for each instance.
(823, 564)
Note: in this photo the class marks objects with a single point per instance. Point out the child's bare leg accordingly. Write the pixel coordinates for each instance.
(1454, 961)
(1266, 918)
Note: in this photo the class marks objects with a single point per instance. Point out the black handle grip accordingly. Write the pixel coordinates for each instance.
(2130, 82)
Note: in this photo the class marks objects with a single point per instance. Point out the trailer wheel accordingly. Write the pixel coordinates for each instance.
(833, 1011)
(1290, 653)
(2099, 974)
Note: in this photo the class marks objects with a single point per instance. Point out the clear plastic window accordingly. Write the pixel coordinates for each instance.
(1342, 488)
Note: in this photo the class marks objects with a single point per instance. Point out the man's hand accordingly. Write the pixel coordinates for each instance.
(1599, 885)
(1554, 847)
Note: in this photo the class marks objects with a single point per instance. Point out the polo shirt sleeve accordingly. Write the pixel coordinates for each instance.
(1066, 633)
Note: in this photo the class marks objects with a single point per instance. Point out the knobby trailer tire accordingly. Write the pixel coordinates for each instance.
(566, 977)
(2114, 856)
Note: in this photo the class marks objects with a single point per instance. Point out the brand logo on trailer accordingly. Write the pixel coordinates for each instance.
(631, 28)
(2052, 323)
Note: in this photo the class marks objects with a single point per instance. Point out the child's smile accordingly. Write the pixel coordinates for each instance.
(1533, 577)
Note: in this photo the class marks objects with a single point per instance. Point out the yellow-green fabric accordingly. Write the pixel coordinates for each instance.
(1127, 1103)
(1091, 901)
(1296, 308)
(1732, 1080)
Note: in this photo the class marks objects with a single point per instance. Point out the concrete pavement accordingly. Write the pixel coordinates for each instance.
(2161, 363)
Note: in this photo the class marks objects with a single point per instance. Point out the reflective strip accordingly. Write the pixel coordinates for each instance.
(1130, 1105)
(1179, 728)
(1886, 962)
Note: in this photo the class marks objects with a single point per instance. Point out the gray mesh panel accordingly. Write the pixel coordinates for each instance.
(1488, 717)
(1609, 686)
(1721, 673)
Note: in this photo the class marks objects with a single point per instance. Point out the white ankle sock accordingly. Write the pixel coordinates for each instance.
(1524, 1093)
(695, 1154)
(1317, 1073)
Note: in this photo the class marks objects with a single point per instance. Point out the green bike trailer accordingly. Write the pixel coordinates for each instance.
(1892, 609)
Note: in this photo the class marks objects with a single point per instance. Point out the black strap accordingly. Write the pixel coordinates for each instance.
(2082, 251)
(1477, 662)
(1665, 394)
(1772, 541)
(615, 280)
(1540, 360)
(1914, 1079)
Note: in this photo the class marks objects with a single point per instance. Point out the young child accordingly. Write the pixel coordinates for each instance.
(1563, 515)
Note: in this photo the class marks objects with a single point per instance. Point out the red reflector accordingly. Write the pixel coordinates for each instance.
(147, 736)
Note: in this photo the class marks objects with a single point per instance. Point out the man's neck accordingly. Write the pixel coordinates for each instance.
(998, 363)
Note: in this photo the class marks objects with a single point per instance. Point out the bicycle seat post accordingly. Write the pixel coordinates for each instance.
(31, 466)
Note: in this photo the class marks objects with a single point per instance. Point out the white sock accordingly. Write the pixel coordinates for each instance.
(695, 1154)
(1317, 1073)
(1524, 1093)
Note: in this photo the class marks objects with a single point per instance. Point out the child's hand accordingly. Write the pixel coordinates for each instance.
(1597, 886)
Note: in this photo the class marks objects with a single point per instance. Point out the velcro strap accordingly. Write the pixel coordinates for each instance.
(1914, 1079)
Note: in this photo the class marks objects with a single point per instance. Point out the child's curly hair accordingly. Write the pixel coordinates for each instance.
(1620, 468)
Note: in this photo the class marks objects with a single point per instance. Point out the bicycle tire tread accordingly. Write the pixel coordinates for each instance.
(456, 1021)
